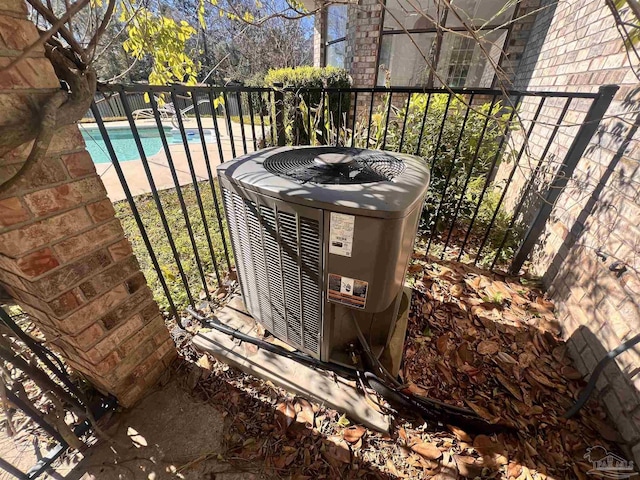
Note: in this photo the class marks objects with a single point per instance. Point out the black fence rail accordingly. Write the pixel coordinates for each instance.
(37, 383)
(498, 160)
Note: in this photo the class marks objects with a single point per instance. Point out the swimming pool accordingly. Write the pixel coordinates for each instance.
(125, 145)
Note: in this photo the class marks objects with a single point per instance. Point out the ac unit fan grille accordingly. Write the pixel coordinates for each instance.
(357, 166)
(278, 259)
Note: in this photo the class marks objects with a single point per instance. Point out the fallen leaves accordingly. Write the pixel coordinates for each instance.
(354, 434)
(488, 347)
(285, 415)
(305, 413)
(474, 339)
(494, 348)
(427, 449)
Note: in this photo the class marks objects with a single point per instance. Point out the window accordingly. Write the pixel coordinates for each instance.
(336, 35)
(403, 61)
(460, 60)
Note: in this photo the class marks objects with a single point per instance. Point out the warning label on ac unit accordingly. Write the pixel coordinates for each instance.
(341, 234)
(348, 291)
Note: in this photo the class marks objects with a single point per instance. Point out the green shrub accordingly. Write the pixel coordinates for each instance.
(309, 77)
(449, 143)
(309, 116)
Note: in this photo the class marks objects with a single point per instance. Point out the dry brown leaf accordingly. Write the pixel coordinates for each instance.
(459, 433)
(540, 378)
(457, 290)
(204, 362)
(337, 450)
(305, 411)
(488, 347)
(481, 411)
(514, 470)
(442, 343)
(354, 433)
(506, 358)
(427, 449)
(485, 445)
(468, 466)
(570, 373)
(414, 268)
(511, 388)
(444, 271)
(285, 415)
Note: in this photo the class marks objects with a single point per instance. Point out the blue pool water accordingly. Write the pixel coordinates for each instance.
(125, 146)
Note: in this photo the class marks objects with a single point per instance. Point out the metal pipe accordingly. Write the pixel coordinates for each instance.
(427, 407)
(386, 122)
(404, 124)
(240, 112)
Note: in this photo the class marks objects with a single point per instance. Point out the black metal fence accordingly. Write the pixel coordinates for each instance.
(498, 160)
(36, 383)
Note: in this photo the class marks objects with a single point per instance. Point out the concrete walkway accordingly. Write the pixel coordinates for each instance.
(134, 171)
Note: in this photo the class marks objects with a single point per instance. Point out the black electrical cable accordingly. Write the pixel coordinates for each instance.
(428, 408)
(270, 347)
(372, 358)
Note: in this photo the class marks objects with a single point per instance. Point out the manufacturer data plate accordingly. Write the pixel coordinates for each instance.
(341, 234)
(347, 291)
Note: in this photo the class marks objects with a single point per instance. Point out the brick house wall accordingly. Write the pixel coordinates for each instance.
(364, 27)
(574, 46)
(63, 254)
(319, 33)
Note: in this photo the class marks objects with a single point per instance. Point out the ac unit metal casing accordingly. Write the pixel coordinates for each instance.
(291, 260)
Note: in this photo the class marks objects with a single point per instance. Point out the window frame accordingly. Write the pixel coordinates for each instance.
(440, 34)
(328, 43)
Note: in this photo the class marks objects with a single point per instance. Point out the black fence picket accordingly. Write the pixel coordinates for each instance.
(50, 373)
(473, 139)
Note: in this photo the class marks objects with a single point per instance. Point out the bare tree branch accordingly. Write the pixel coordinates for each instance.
(45, 36)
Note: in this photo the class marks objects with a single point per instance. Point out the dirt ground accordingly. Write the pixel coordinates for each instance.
(170, 434)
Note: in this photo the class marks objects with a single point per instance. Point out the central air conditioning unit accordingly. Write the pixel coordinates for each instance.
(322, 237)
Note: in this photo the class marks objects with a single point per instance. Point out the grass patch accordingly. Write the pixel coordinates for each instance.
(247, 119)
(177, 225)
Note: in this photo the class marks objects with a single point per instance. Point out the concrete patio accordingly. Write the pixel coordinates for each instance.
(134, 171)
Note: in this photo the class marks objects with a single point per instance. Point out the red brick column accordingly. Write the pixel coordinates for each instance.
(63, 254)
(319, 34)
(363, 42)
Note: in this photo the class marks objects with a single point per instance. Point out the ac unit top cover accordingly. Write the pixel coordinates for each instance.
(349, 180)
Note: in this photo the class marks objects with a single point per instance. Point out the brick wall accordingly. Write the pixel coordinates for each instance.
(576, 47)
(363, 41)
(319, 34)
(525, 17)
(63, 254)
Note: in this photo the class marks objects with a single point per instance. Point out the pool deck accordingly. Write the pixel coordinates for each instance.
(134, 171)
